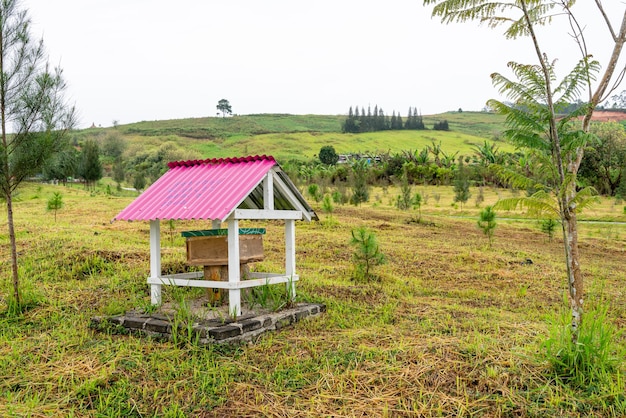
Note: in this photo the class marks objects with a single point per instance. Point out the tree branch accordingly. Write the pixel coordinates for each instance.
(606, 19)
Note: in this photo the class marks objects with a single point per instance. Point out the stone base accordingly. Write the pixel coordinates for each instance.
(208, 331)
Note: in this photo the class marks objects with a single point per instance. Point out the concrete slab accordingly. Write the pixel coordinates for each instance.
(204, 324)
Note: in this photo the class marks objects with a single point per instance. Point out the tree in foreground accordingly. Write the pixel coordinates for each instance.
(224, 106)
(34, 116)
(536, 100)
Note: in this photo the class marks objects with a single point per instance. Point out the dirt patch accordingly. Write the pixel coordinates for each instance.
(608, 116)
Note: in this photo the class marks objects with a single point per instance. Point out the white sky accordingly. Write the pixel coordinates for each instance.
(135, 60)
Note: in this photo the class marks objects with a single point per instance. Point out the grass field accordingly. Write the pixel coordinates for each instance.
(305, 145)
(300, 137)
(453, 328)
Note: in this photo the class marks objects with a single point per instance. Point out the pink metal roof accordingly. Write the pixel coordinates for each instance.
(200, 189)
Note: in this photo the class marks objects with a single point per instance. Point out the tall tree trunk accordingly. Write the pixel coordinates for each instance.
(574, 273)
(16, 281)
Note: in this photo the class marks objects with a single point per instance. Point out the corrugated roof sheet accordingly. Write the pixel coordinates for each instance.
(200, 189)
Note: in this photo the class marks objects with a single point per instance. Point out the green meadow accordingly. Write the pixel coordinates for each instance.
(295, 137)
(450, 325)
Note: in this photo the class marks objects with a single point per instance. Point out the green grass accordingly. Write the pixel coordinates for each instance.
(306, 145)
(453, 327)
(483, 124)
(300, 137)
(212, 127)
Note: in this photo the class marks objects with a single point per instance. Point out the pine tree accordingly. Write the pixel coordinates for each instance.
(31, 98)
(417, 120)
(487, 222)
(375, 119)
(367, 253)
(55, 203)
(408, 124)
(90, 168)
(350, 125)
(461, 184)
(118, 172)
(360, 189)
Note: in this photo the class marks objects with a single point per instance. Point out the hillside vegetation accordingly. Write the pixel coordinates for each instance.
(299, 137)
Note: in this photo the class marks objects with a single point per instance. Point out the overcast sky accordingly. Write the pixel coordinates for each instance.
(135, 60)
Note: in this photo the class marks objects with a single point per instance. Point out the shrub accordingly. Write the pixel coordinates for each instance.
(360, 190)
(339, 197)
(328, 155)
(480, 197)
(548, 226)
(594, 358)
(461, 185)
(55, 203)
(328, 208)
(487, 222)
(417, 204)
(366, 254)
(314, 192)
(404, 198)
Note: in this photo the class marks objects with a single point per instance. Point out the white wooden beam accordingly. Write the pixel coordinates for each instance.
(155, 261)
(284, 189)
(268, 191)
(260, 214)
(290, 255)
(178, 280)
(234, 295)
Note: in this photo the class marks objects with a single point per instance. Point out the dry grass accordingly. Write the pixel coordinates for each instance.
(452, 327)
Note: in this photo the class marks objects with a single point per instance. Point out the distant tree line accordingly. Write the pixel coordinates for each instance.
(93, 154)
(361, 120)
(603, 167)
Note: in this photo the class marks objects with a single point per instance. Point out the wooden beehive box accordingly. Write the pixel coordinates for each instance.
(210, 247)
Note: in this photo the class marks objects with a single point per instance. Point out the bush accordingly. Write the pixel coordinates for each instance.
(328, 155)
(594, 358)
(417, 204)
(487, 222)
(366, 254)
(360, 189)
(441, 126)
(548, 226)
(314, 192)
(404, 198)
(55, 203)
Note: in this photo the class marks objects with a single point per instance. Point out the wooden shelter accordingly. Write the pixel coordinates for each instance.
(221, 190)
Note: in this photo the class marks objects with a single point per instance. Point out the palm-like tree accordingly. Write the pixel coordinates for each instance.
(534, 118)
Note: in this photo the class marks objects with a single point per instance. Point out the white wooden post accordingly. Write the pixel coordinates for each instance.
(155, 260)
(234, 295)
(290, 255)
(268, 191)
(216, 223)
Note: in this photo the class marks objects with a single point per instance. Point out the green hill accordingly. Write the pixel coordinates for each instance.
(296, 136)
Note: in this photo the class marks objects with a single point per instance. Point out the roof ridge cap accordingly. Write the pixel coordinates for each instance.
(216, 161)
